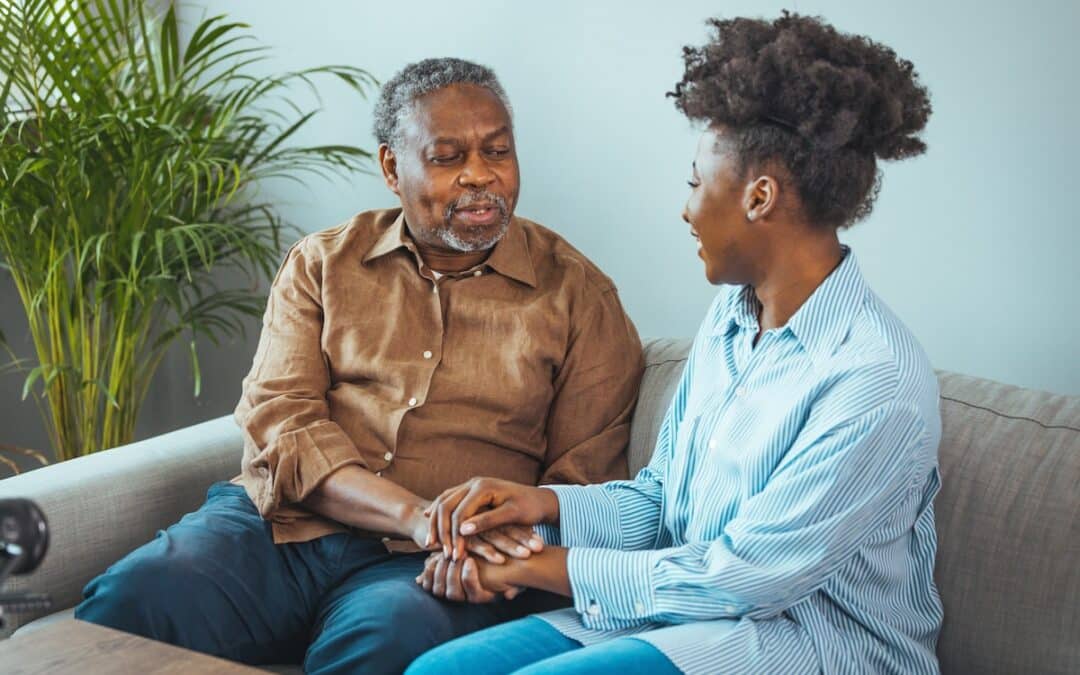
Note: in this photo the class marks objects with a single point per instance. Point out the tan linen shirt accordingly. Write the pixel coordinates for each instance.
(525, 367)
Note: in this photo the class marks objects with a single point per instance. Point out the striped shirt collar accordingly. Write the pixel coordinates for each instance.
(823, 321)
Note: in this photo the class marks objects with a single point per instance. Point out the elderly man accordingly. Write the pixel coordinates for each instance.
(402, 353)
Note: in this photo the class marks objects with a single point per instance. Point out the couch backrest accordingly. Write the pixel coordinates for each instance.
(1008, 516)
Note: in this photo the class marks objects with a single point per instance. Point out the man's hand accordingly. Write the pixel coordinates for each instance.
(455, 514)
(469, 579)
(419, 530)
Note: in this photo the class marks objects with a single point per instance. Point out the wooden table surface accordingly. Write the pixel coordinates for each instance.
(73, 646)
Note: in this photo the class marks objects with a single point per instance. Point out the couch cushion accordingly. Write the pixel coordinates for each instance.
(665, 359)
(1008, 520)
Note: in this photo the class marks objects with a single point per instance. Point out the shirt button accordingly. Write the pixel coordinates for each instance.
(427, 355)
(388, 456)
(593, 610)
(477, 273)
(712, 445)
(740, 392)
(385, 539)
(639, 608)
(378, 473)
(412, 401)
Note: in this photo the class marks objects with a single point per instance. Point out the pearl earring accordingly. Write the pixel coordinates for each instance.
(750, 215)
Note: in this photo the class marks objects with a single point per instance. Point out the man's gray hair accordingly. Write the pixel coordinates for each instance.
(423, 77)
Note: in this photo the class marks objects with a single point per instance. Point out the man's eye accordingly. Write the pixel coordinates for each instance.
(498, 152)
(444, 159)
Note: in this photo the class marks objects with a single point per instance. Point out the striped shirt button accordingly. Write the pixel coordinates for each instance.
(388, 456)
(740, 392)
(712, 444)
(593, 609)
(427, 354)
(639, 608)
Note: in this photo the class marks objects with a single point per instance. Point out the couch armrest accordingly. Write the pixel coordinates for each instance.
(102, 506)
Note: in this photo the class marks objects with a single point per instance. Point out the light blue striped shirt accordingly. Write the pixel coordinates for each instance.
(785, 522)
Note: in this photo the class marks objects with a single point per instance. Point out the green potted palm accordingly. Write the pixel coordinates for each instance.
(129, 161)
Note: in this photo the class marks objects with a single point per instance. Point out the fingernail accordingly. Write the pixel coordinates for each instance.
(536, 543)
(468, 528)
(521, 550)
(499, 558)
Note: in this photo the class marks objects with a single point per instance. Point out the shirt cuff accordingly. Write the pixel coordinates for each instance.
(549, 534)
(588, 516)
(611, 585)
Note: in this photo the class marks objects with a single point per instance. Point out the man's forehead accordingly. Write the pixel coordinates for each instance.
(450, 113)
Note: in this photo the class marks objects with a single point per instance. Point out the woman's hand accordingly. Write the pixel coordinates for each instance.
(515, 541)
(483, 504)
(469, 579)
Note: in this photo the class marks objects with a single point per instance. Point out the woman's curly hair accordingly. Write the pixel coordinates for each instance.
(823, 103)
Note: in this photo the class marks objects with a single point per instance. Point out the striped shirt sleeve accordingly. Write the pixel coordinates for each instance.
(831, 492)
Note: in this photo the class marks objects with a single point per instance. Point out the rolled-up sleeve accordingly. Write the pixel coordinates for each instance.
(595, 391)
(290, 443)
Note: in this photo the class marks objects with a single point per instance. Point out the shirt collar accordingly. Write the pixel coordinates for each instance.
(511, 257)
(391, 240)
(824, 320)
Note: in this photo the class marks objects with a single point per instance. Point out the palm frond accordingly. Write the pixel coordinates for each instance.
(128, 160)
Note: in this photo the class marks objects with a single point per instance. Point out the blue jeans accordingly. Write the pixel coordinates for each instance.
(215, 582)
(532, 646)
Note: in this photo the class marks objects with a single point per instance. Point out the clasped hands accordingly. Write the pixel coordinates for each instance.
(483, 541)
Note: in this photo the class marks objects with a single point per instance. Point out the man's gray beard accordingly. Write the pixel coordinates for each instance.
(450, 238)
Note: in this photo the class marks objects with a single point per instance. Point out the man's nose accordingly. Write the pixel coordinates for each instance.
(476, 173)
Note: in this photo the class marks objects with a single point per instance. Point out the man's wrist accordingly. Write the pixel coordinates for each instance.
(412, 517)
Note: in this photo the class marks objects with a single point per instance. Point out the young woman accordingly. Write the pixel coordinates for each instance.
(785, 522)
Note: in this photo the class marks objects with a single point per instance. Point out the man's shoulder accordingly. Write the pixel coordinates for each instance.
(556, 258)
(354, 237)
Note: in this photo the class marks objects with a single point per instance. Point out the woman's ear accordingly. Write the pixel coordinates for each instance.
(760, 197)
(388, 164)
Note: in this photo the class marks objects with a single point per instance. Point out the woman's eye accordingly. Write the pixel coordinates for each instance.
(692, 183)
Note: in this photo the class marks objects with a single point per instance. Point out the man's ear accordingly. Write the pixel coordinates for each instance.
(388, 164)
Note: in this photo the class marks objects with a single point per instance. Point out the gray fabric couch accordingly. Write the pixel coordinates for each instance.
(1008, 515)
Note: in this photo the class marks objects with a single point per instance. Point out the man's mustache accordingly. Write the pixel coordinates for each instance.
(473, 198)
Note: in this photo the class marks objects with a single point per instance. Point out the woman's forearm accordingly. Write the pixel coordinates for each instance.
(546, 571)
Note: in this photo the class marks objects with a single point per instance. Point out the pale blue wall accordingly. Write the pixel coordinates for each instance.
(973, 245)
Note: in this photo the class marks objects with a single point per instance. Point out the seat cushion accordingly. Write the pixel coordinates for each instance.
(1008, 520)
